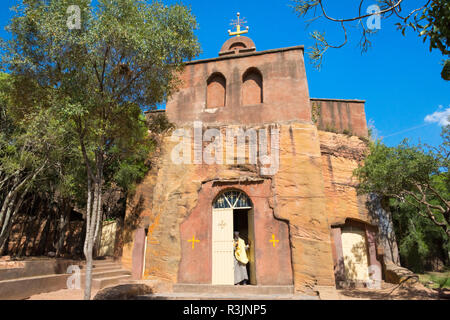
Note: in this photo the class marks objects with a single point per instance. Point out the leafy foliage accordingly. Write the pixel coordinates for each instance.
(35, 157)
(97, 80)
(416, 179)
(431, 21)
(420, 241)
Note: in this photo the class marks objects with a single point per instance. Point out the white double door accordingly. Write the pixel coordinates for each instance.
(222, 247)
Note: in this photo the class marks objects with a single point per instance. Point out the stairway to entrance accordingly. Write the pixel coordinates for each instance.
(105, 273)
(35, 276)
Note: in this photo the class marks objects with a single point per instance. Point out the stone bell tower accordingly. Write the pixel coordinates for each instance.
(243, 86)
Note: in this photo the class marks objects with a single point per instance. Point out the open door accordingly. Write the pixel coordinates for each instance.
(222, 247)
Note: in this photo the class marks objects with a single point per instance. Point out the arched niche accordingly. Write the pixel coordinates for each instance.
(252, 87)
(216, 91)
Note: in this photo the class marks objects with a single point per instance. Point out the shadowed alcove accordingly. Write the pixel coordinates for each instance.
(252, 87)
(216, 92)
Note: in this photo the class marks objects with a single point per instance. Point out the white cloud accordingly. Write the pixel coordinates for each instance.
(442, 116)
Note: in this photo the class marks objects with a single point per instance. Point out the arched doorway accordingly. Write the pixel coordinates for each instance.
(232, 211)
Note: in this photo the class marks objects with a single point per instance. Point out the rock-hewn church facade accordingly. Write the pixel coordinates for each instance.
(304, 222)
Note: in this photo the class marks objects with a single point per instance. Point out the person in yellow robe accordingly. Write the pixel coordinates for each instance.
(240, 260)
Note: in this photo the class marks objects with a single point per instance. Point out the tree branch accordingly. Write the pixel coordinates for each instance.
(359, 17)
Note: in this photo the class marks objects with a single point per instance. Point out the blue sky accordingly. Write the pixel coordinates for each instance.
(398, 77)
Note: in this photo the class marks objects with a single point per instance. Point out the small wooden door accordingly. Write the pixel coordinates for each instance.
(222, 247)
(354, 250)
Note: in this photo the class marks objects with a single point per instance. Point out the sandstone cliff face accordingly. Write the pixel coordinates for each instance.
(300, 199)
(340, 157)
(312, 190)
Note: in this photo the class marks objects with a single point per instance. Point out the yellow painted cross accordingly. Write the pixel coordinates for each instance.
(238, 23)
(273, 240)
(193, 241)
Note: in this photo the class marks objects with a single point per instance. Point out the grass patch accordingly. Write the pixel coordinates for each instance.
(435, 280)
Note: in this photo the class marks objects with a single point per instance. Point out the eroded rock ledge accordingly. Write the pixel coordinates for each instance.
(341, 145)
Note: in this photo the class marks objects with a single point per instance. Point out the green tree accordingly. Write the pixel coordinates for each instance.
(414, 175)
(29, 147)
(419, 240)
(124, 58)
(429, 19)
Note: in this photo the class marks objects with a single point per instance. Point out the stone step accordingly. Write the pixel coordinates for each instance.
(106, 264)
(106, 273)
(103, 267)
(103, 282)
(106, 268)
(223, 296)
(230, 289)
(101, 262)
(22, 288)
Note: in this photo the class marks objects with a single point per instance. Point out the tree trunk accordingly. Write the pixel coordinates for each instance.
(87, 249)
(12, 203)
(11, 213)
(6, 222)
(93, 219)
(88, 284)
(64, 219)
(24, 224)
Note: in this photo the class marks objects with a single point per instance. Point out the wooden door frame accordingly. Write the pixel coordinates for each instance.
(252, 260)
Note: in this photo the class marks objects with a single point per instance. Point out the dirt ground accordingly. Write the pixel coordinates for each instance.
(391, 292)
(65, 294)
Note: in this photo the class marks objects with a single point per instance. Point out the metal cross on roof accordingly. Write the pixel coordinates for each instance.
(238, 24)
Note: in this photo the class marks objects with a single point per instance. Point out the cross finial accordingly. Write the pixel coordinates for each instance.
(238, 24)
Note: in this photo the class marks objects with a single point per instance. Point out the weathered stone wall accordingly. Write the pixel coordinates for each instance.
(273, 263)
(312, 190)
(294, 201)
(285, 90)
(300, 199)
(380, 214)
(340, 155)
(340, 116)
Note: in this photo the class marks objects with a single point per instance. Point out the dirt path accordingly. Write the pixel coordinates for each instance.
(392, 292)
(65, 294)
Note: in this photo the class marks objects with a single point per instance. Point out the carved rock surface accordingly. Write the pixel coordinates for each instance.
(312, 190)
